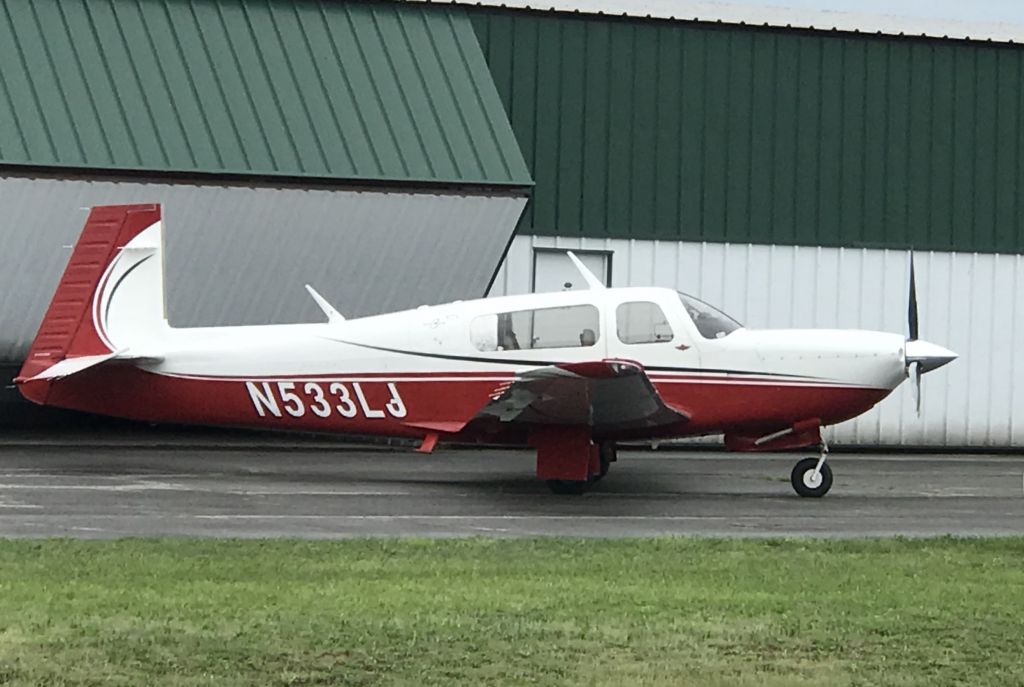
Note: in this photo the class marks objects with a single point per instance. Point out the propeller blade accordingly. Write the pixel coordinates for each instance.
(915, 372)
(912, 304)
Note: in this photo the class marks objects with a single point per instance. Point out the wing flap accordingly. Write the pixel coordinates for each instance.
(606, 395)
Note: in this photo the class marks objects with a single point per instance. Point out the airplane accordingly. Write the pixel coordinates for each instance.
(570, 374)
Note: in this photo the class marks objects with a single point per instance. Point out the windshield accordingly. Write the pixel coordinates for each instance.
(711, 322)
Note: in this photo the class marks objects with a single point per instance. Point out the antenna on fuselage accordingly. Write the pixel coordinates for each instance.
(592, 281)
(333, 316)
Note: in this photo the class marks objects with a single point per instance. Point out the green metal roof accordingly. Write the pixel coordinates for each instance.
(301, 88)
(653, 129)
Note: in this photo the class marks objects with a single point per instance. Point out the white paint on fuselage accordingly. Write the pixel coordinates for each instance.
(437, 338)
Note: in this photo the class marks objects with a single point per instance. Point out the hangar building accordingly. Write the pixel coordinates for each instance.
(777, 162)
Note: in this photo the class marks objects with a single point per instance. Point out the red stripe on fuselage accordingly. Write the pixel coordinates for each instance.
(123, 390)
(733, 378)
(492, 375)
(716, 407)
(659, 377)
(126, 391)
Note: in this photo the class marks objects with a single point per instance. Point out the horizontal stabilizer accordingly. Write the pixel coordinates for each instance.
(70, 366)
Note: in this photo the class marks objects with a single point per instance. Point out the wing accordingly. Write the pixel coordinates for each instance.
(606, 395)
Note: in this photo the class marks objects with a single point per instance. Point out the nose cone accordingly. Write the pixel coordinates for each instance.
(928, 355)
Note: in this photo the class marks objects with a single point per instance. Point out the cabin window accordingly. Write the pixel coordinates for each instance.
(573, 326)
(641, 323)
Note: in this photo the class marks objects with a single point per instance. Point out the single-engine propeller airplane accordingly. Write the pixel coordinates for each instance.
(569, 373)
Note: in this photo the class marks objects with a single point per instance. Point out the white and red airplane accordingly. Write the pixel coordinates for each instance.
(567, 373)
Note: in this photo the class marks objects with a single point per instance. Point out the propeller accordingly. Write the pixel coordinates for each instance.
(915, 372)
(913, 368)
(912, 305)
(920, 356)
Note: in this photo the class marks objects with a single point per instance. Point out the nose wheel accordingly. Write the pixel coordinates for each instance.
(812, 477)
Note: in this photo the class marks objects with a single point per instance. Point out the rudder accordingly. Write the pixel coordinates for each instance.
(73, 326)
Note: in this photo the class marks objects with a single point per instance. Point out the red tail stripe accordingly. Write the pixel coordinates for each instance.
(67, 329)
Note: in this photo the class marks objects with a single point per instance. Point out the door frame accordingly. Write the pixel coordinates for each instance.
(606, 278)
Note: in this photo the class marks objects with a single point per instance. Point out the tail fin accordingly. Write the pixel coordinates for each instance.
(109, 299)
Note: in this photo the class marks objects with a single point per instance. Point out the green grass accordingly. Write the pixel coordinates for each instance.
(553, 611)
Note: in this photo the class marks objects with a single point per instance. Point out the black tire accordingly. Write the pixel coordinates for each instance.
(608, 453)
(568, 487)
(802, 484)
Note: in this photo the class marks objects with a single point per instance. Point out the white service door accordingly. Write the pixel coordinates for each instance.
(552, 270)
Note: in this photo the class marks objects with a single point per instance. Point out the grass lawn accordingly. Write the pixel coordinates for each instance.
(552, 611)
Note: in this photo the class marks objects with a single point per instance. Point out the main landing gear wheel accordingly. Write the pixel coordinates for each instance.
(809, 482)
(609, 453)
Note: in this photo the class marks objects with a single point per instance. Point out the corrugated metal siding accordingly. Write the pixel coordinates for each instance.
(241, 255)
(996, 22)
(968, 302)
(347, 90)
(673, 130)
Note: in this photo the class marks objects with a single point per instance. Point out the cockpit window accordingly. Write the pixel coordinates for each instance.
(711, 322)
(574, 326)
(642, 322)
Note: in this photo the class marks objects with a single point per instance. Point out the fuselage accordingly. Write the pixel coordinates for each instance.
(429, 369)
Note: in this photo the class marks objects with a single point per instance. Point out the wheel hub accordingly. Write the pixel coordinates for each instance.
(812, 479)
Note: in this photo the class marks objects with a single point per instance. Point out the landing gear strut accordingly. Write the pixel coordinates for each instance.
(812, 477)
(607, 453)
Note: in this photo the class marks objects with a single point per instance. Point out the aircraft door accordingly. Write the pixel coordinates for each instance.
(645, 331)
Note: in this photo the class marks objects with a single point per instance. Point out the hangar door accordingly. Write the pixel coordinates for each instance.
(358, 146)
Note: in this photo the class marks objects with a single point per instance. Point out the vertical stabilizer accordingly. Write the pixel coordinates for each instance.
(103, 260)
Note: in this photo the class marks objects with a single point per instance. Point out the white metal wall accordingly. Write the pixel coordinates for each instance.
(968, 302)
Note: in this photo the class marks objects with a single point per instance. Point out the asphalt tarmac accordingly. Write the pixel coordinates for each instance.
(278, 489)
